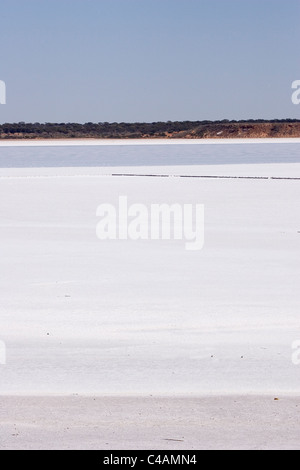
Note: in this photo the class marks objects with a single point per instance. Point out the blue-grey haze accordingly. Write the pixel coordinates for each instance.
(148, 60)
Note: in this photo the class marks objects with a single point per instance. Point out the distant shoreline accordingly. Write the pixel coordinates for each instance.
(187, 130)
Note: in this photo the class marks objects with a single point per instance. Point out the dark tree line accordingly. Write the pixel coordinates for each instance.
(106, 130)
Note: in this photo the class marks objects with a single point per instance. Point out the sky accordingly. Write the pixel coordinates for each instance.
(148, 60)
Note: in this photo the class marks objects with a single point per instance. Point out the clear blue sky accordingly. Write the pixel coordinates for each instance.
(148, 60)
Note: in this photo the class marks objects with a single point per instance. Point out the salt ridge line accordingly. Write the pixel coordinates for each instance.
(137, 175)
(191, 176)
(210, 176)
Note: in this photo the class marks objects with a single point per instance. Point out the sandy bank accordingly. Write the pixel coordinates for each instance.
(99, 423)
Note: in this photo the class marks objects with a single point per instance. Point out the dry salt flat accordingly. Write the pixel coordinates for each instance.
(143, 344)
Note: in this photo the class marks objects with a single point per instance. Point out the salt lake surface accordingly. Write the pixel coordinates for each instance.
(120, 317)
